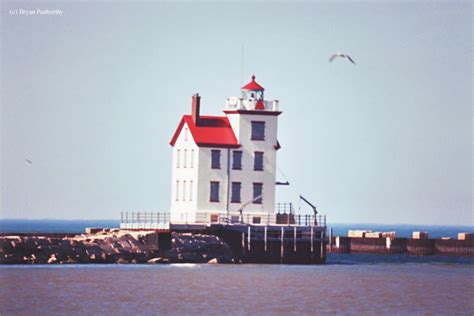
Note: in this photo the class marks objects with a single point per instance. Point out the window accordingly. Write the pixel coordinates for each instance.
(216, 159)
(258, 161)
(177, 190)
(236, 160)
(257, 192)
(256, 220)
(191, 190)
(185, 158)
(186, 134)
(235, 198)
(178, 154)
(214, 191)
(258, 130)
(192, 159)
(184, 190)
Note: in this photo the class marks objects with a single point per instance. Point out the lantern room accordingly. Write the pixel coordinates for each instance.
(252, 91)
(252, 99)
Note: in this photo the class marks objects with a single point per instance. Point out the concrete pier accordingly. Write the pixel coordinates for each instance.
(419, 247)
(276, 238)
(274, 244)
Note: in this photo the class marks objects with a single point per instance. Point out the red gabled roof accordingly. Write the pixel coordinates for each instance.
(212, 131)
(253, 85)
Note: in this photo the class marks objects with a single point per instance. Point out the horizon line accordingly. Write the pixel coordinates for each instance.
(335, 223)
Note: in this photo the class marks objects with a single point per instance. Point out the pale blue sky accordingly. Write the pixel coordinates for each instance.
(92, 97)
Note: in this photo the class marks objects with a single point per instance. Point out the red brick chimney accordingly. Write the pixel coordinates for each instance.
(196, 105)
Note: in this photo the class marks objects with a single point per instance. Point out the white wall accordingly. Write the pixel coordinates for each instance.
(206, 175)
(241, 124)
(184, 208)
(202, 174)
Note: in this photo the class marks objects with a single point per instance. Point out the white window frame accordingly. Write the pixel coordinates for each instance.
(177, 190)
(185, 158)
(184, 190)
(178, 154)
(191, 190)
(192, 159)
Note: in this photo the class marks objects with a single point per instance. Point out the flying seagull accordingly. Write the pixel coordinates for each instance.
(338, 54)
(29, 161)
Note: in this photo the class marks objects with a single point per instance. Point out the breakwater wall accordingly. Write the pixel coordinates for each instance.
(421, 247)
(117, 246)
(189, 244)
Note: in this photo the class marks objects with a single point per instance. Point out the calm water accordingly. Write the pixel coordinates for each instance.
(347, 284)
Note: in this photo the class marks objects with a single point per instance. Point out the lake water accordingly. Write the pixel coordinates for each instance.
(348, 284)
(78, 226)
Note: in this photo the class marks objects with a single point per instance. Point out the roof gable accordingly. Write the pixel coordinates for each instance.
(212, 131)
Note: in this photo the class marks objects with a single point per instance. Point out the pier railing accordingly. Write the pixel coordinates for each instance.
(283, 219)
(161, 220)
(283, 207)
(145, 220)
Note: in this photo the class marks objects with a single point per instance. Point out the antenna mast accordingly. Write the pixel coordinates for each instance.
(242, 65)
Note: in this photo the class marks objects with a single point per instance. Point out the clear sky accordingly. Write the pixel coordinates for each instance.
(92, 98)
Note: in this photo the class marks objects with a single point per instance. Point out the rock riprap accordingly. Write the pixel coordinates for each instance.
(194, 248)
(115, 246)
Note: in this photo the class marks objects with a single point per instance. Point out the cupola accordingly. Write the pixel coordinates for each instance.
(253, 91)
(251, 99)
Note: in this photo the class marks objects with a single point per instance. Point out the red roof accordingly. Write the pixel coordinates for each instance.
(253, 85)
(212, 131)
(260, 105)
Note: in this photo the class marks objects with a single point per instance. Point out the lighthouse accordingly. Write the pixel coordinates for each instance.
(224, 166)
(223, 184)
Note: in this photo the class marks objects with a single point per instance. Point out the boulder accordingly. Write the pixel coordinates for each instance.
(420, 235)
(93, 230)
(466, 236)
(155, 260)
(373, 235)
(52, 259)
(357, 233)
(391, 235)
(198, 249)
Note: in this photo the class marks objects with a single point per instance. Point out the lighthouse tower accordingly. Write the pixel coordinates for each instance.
(224, 166)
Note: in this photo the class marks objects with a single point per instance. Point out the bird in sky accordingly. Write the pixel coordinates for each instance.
(29, 161)
(338, 54)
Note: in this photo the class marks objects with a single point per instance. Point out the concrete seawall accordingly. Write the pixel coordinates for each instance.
(286, 245)
(289, 252)
(421, 247)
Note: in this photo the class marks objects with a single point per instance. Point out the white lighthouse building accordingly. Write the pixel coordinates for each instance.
(224, 166)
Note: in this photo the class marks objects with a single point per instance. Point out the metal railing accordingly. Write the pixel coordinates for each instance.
(284, 207)
(141, 219)
(144, 217)
(283, 219)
